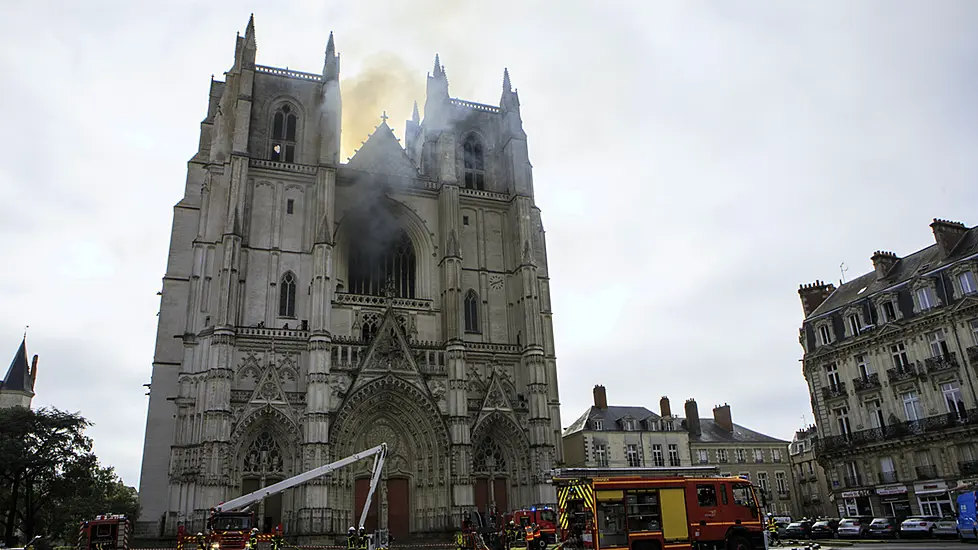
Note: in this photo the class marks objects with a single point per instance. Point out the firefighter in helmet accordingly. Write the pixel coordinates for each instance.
(364, 539)
(352, 540)
(201, 541)
(253, 538)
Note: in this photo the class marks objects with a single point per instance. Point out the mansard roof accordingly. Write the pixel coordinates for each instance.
(18, 376)
(383, 154)
(610, 416)
(711, 432)
(920, 262)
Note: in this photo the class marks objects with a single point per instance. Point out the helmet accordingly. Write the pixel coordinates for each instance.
(511, 522)
(254, 529)
(352, 529)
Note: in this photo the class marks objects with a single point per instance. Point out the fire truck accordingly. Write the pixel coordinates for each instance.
(653, 508)
(105, 532)
(230, 523)
(543, 515)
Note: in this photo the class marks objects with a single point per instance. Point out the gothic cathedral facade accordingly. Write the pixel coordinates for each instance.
(312, 309)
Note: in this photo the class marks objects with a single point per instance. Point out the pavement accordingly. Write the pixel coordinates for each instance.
(901, 544)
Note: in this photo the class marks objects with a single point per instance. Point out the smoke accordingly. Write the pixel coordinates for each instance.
(386, 83)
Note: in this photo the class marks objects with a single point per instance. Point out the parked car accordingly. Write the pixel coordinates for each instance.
(854, 527)
(825, 529)
(884, 528)
(946, 527)
(918, 526)
(799, 530)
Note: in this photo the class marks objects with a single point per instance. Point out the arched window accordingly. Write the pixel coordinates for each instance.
(471, 311)
(283, 134)
(286, 296)
(381, 265)
(475, 163)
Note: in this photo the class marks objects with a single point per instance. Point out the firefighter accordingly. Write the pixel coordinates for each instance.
(201, 541)
(364, 539)
(352, 540)
(277, 540)
(460, 540)
(529, 536)
(253, 538)
(772, 528)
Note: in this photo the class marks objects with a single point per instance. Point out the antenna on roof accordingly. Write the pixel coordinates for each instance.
(843, 268)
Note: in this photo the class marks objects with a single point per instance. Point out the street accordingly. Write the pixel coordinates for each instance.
(925, 544)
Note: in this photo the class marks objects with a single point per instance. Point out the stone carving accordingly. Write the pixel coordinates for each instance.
(437, 389)
(264, 455)
(382, 433)
(338, 385)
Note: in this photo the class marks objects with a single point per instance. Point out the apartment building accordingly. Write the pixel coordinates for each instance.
(811, 488)
(890, 361)
(634, 436)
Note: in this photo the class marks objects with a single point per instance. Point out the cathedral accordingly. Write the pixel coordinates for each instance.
(312, 309)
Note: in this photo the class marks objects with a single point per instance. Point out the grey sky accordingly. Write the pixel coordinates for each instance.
(694, 162)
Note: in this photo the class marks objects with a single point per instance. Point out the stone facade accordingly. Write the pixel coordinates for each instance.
(630, 436)
(17, 386)
(312, 309)
(811, 495)
(890, 361)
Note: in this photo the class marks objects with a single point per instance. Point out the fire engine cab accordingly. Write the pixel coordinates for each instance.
(544, 516)
(105, 532)
(654, 508)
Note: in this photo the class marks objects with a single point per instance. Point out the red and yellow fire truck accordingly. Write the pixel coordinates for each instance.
(544, 516)
(105, 532)
(657, 508)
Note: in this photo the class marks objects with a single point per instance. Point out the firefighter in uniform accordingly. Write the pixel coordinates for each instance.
(460, 540)
(352, 540)
(277, 540)
(364, 539)
(529, 537)
(772, 529)
(253, 538)
(201, 542)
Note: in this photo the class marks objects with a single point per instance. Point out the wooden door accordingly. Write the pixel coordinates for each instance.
(361, 490)
(481, 494)
(398, 507)
(500, 491)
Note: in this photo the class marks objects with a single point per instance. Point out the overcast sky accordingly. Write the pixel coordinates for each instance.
(695, 162)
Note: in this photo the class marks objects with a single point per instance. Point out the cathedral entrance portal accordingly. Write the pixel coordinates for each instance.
(263, 466)
(397, 503)
(362, 488)
(489, 466)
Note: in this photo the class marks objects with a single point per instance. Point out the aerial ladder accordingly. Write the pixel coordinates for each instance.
(231, 523)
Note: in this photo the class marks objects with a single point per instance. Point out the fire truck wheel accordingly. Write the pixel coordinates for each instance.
(542, 544)
(738, 542)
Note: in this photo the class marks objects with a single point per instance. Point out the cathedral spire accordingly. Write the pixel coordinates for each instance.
(331, 65)
(415, 115)
(438, 68)
(507, 86)
(250, 31)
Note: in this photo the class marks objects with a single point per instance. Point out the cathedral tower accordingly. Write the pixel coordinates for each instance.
(313, 309)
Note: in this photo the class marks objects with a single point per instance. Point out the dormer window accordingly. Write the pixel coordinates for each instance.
(628, 425)
(824, 335)
(925, 298)
(474, 161)
(597, 425)
(967, 283)
(283, 135)
(854, 323)
(887, 311)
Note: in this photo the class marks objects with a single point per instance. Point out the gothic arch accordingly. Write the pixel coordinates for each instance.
(262, 423)
(505, 434)
(267, 414)
(412, 224)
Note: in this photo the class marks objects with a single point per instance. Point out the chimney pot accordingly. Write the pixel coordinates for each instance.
(883, 262)
(813, 295)
(947, 234)
(600, 397)
(664, 409)
(693, 418)
(721, 415)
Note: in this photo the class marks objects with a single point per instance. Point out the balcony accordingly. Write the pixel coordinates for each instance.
(867, 383)
(906, 372)
(942, 363)
(888, 477)
(835, 390)
(973, 354)
(853, 481)
(969, 467)
(928, 471)
(895, 431)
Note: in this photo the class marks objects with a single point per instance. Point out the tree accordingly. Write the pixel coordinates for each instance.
(50, 478)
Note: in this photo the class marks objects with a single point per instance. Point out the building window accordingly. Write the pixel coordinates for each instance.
(762, 481)
(938, 346)
(887, 470)
(628, 425)
(289, 206)
(283, 135)
(875, 414)
(597, 425)
(832, 372)
(776, 454)
(471, 312)
(673, 454)
(758, 456)
(601, 455)
(925, 298)
(899, 353)
(381, 262)
(475, 163)
(953, 399)
(703, 456)
(911, 406)
(863, 367)
(631, 454)
(974, 331)
(842, 417)
(888, 312)
(854, 324)
(657, 455)
(286, 296)
(782, 481)
(824, 335)
(967, 282)
(722, 456)
(741, 455)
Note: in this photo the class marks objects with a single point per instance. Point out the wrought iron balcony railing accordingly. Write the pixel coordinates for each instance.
(927, 471)
(888, 477)
(895, 431)
(835, 390)
(853, 481)
(969, 467)
(906, 372)
(948, 361)
(867, 383)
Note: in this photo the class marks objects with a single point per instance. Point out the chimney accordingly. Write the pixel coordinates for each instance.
(883, 262)
(947, 234)
(721, 415)
(600, 397)
(813, 294)
(693, 417)
(664, 409)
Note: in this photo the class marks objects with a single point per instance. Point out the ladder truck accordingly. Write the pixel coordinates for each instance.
(105, 532)
(231, 523)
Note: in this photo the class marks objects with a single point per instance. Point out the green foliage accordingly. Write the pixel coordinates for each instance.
(50, 480)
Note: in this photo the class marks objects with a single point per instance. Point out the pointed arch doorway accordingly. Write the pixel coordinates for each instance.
(491, 477)
(264, 465)
(392, 494)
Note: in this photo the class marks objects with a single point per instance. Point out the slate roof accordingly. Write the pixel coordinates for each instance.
(713, 433)
(611, 416)
(920, 262)
(18, 376)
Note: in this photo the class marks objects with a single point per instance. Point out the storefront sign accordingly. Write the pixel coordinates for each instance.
(856, 494)
(929, 487)
(892, 490)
